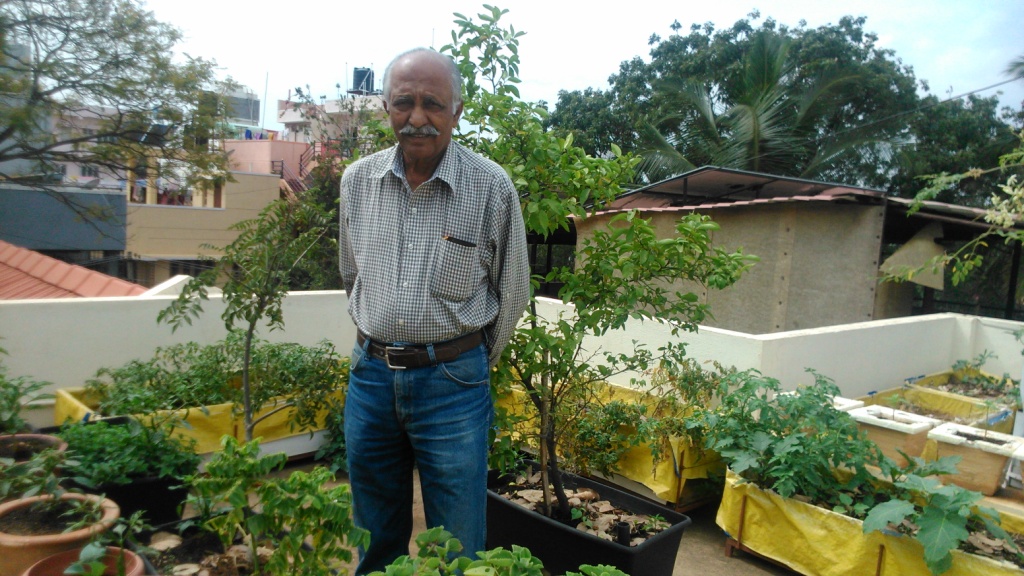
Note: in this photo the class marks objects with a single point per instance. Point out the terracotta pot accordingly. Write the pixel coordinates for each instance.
(21, 447)
(57, 563)
(18, 552)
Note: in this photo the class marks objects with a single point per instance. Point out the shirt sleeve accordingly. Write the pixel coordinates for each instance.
(346, 260)
(510, 269)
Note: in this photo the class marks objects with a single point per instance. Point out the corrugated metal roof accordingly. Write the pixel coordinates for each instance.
(713, 187)
(25, 274)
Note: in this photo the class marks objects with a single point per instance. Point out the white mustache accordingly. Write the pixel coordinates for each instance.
(426, 130)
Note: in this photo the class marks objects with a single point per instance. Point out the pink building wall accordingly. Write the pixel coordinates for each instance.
(257, 156)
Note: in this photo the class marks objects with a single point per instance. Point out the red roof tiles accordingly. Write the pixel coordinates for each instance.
(25, 274)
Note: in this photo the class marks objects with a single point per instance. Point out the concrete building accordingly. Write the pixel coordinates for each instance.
(822, 246)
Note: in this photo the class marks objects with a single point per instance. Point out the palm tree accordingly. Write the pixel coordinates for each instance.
(768, 122)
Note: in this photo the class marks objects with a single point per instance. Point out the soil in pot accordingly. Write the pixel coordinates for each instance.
(19, 551)
(563, 548)
(36, 521)
(590, 512)
(21, 447)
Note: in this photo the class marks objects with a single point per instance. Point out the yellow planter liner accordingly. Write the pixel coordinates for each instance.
(967, 410)
(818, 542)
(206, 427)
(667, 478)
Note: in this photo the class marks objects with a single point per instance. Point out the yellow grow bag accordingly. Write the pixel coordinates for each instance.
(957, 407)
(818, 542)
(668, 477)
(206, 426)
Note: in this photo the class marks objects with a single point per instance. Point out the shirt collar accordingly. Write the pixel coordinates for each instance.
(446, 170)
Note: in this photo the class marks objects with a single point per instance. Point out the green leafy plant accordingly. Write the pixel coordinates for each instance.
(38, 475)
(970, 379)
(91, 560)
(622, 272)
(798, 445)
(107, 453)
(940, 517)
(284, 514)
(794, 444)
(15, 393)
(179, 376)
(438, 555)
(184, 376)
(255, 270)
(333, 451)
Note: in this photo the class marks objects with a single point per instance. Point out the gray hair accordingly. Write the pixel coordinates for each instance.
(453, 71)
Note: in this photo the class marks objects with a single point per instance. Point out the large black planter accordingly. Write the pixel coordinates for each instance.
(563, 548)
(158, 498)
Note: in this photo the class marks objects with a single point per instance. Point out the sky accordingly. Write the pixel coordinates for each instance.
(957, 46)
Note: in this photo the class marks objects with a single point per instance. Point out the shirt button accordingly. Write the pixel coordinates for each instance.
(409, 246)
(413, 210)
(405, 284)
(401, 322)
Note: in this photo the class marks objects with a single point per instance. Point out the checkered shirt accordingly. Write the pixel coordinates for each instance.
(438, 263)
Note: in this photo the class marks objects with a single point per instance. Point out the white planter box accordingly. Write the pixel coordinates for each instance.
(984, 455)
(895, 430)
(846, 404)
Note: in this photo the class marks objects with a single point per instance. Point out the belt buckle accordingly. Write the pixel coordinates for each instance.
(387, 356)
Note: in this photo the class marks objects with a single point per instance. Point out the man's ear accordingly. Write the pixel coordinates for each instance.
(458, 112)
(385, 103)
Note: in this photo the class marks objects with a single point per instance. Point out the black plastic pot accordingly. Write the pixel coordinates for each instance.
(563, 548)
(158, 498)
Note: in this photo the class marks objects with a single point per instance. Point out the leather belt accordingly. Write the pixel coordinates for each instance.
(400, 357)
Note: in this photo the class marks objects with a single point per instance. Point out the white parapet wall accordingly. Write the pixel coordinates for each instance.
(66, 341)
(861, 357)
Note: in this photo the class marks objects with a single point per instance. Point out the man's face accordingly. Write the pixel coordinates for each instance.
(421, 102)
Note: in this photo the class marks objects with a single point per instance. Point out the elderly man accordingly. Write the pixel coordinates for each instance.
(433, 257)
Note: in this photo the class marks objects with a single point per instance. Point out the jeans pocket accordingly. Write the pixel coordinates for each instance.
(470, 370)
(357, 357)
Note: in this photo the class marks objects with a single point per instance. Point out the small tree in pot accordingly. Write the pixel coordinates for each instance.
(255, 271)
(623, 272)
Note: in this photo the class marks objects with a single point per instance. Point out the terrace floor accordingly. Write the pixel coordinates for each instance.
(701, 552)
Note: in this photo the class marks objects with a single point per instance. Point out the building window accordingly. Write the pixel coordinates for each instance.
(89, 171)
(189, 267)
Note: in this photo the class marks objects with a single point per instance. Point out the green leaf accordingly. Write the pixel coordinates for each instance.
(891, 512)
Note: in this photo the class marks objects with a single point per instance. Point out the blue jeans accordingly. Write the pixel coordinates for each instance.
(435, 418)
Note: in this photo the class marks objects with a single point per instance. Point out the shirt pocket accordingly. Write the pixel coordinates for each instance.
(457, 271)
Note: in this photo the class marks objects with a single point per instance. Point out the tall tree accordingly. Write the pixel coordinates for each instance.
(954, 136)
(771, 125)
(828, 116)
(594, 119)
(94, 82)
(793, 101)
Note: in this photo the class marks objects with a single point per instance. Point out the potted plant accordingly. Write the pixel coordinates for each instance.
(836, 505)
(438, 554)
(39, 518)
(296, 387)
(273, 518)
(94, 559)
(255, 272)
(965, 394)
(984, 455)
(105, 555)
(141, 466)
(899, 434)
(621, 273)
(17, 442)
